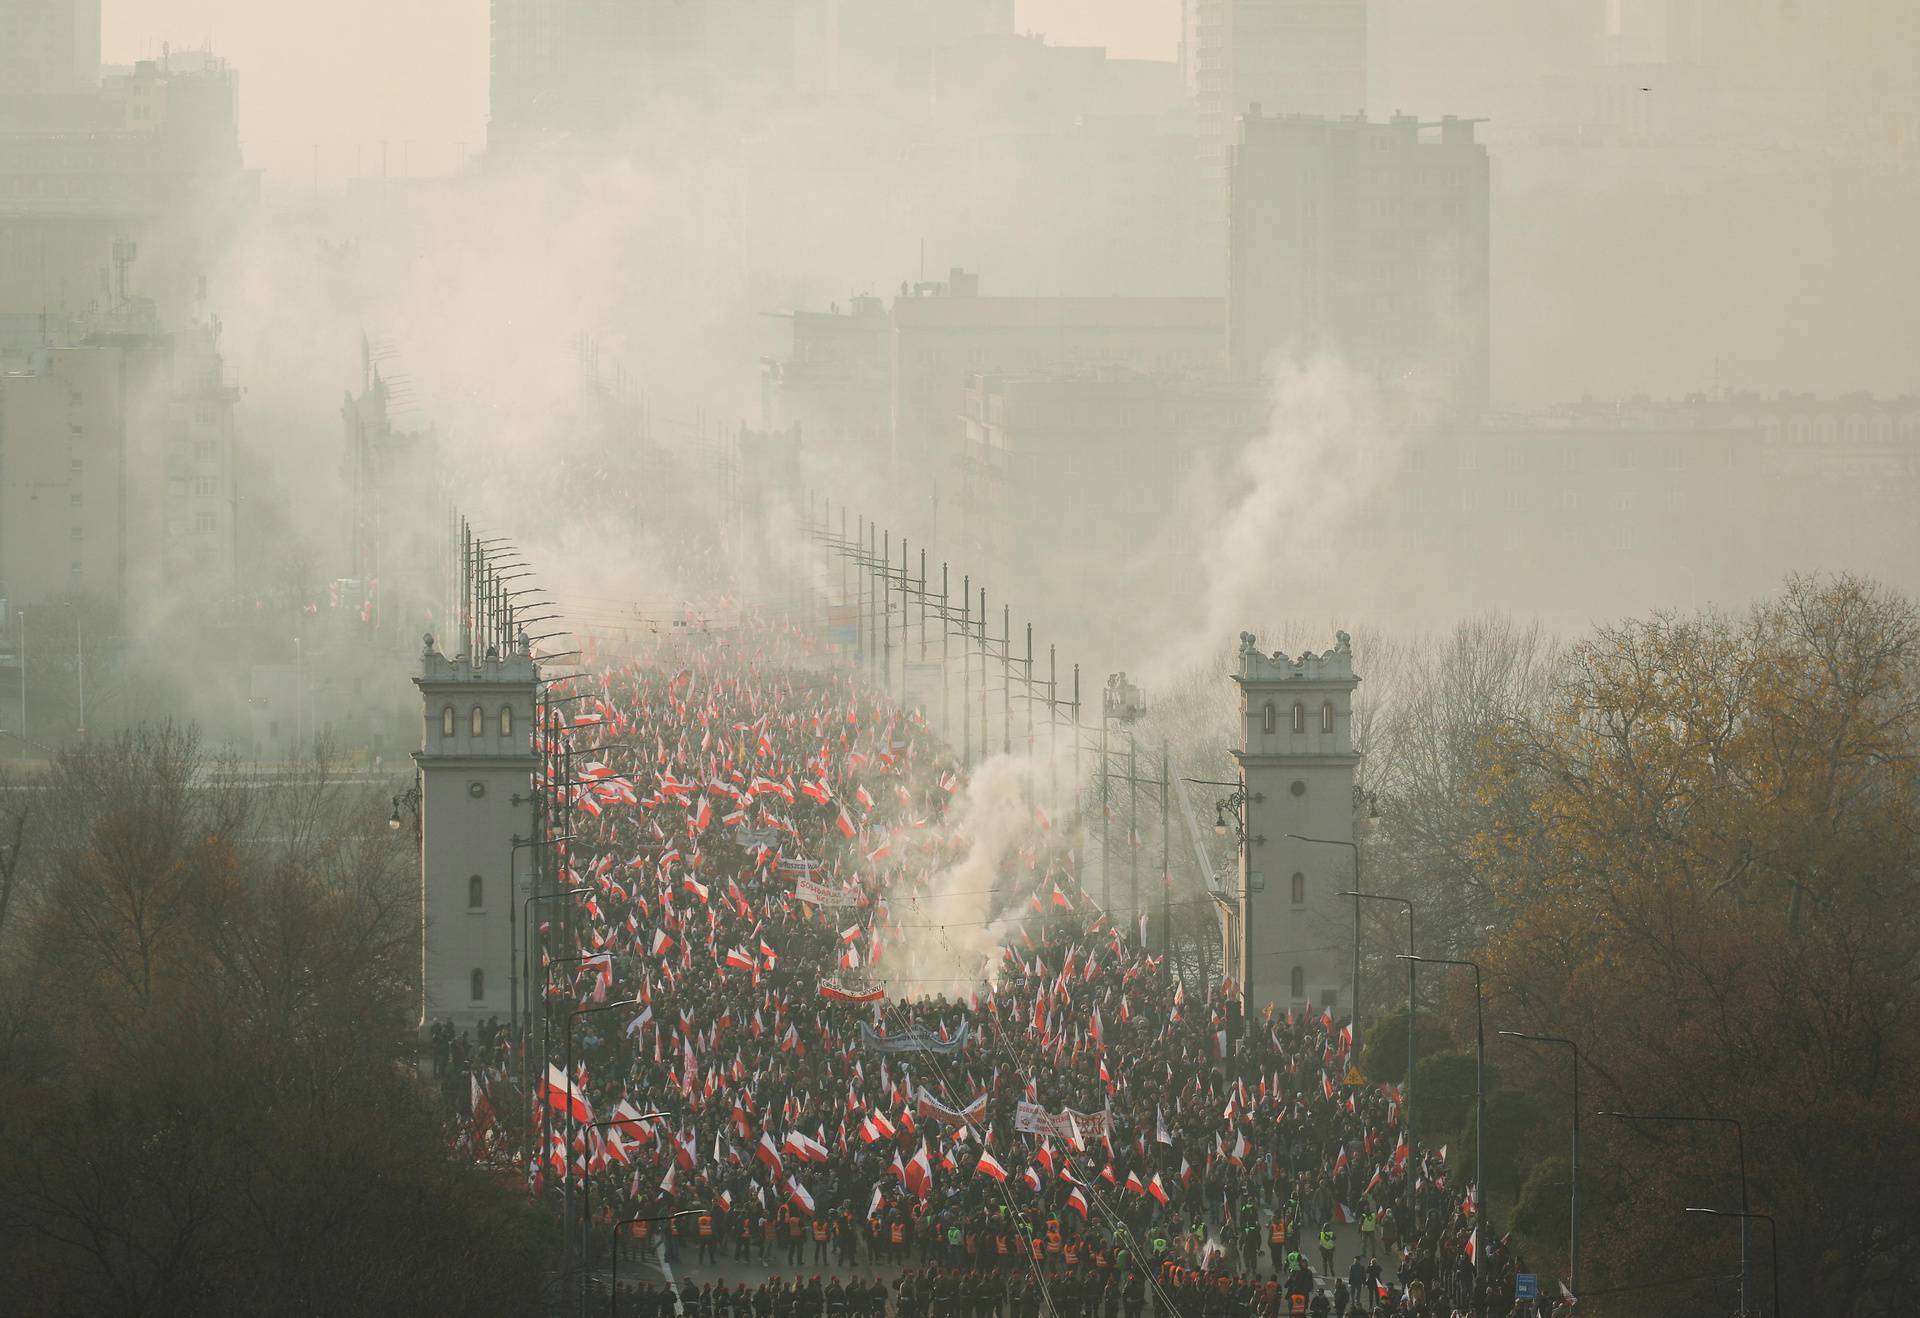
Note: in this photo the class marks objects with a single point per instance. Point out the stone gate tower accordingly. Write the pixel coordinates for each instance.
(476, 754)
(1287, 933)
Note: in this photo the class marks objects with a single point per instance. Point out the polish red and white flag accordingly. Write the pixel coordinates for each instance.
(561, 1095)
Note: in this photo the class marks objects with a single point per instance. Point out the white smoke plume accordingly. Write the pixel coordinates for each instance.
(951, 934)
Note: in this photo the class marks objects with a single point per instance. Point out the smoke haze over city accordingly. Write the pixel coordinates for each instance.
(1164, 456)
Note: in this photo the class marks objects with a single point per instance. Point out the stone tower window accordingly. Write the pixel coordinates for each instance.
(1298, 983)
(1326, 717)
(506, 720)
(1299, 890)
(1299, 717)
(1270, 719)
(477, 985)
(479, 722)
(446, 721)
(476, 893)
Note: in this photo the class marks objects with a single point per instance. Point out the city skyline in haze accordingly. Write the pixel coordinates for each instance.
(322, 88)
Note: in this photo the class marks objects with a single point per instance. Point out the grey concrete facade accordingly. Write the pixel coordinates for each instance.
(476, 755)
(1287, 932)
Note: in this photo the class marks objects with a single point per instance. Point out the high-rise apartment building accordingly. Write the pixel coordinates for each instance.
(1365, 240)
(116, 460)
(150, 155)
(584, 69)
(49, 46)
(1287, 56)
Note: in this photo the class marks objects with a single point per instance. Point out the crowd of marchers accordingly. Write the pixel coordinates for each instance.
(1070, 1129)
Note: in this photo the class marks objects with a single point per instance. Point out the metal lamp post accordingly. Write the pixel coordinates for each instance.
(572, 1016)
(1412, 983)
(1773, 1248)
(526, 1052)
(613, 1305)
(513, 930)
(1573, 1248)
(1354, 847)
(1233, 807)
(586, 1212)
(1479, 1101)
(1740, 1151)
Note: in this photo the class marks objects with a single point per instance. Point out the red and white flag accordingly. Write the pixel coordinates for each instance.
(800, 1195)
(562, 1095)
(919, 1173)
(990, 1166)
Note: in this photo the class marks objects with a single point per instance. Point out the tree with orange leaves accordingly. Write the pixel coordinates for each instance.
(1707, 856)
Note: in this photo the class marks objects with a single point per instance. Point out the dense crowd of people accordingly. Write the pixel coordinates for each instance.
(760, 842)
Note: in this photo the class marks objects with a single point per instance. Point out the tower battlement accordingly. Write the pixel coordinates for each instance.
(1335, 665)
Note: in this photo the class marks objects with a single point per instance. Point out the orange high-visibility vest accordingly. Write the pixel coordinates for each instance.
(897, 1233)
(819, 1230)
(706, 1224)
(1277, 1233)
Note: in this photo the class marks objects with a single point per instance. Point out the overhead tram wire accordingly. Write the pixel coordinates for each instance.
(1033, 1266)
(1093, 1194)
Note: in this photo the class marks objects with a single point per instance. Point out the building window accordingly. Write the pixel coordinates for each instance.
(1299, 787)
(1299, 717)
(1326, 717)
(478, 723)
(478, 985)
(1299, 888)
(1270, 719)
(476, 893)
(1297, 986)
(506, 720)
(446, 721)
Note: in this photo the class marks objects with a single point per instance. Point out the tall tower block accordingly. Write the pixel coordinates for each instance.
(476, 753)
(1288, 934)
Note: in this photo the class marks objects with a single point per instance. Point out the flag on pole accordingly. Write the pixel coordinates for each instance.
(562, 1095)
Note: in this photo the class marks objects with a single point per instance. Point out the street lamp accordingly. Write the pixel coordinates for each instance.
(1740, 1151)
(613, 1306)
(516, 846)
(546, 1030)
(1479, 1101)
(1412, 981)
(1354, 847)
(1573, 1252)
(572, 1016)
(1230, 811)
(1773, 1246)
(586, 1212)
(410, 799)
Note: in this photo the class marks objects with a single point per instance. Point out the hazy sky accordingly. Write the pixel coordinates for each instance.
(336, 78)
